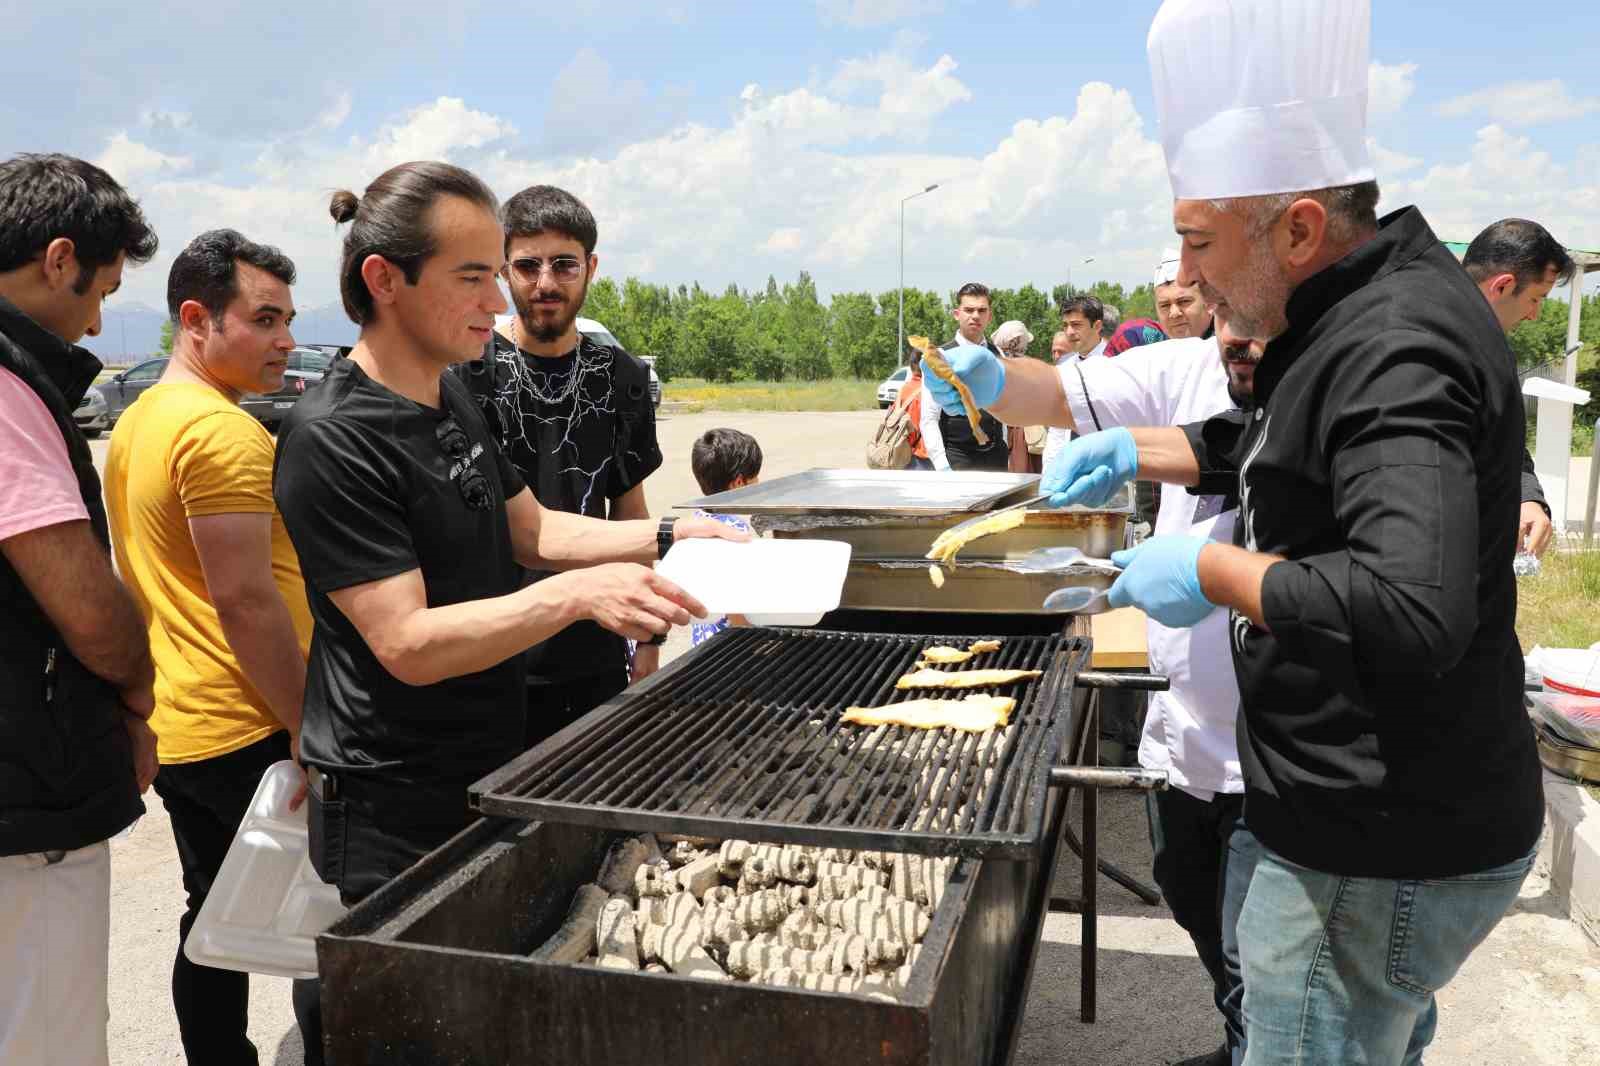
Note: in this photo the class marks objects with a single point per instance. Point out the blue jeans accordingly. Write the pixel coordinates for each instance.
(1204, 858)
(1344, 969)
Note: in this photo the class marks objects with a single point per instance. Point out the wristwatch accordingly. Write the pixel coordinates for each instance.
(664, 535)
(657, 640)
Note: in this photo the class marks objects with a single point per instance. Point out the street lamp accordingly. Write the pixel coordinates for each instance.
(900, 324)
(1086, 261)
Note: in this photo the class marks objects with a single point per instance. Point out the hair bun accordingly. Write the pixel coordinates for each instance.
(343, 206)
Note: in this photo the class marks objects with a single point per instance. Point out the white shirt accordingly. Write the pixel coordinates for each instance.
(1190, 730)
(1054, 438)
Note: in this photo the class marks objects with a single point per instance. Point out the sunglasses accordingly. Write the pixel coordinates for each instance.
(564, 268)
(456, 445)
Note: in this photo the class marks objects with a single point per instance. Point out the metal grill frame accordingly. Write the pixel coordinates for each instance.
(651, 730)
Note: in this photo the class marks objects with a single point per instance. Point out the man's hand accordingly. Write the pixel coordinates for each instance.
(145, 764)
(1089, 470)
(140, 700)
(978, 368)
(1535, 530)
(635, 602)
(646, 661)
(1162, 578)
(706, 528)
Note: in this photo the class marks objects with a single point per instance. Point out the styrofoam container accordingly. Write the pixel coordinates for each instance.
(1572, 670)
(770, 582)
(267, 904)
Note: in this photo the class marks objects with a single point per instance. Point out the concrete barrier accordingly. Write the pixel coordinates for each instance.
(1571, 850)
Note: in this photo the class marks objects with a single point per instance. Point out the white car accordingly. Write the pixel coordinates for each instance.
(889, 391)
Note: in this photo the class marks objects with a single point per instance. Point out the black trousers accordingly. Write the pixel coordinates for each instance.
(553, 707)
(205, 801)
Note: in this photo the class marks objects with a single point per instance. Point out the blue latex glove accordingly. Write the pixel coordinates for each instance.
(1161, 577)
(979, 368)
(1089, 470)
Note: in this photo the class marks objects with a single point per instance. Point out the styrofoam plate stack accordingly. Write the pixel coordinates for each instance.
(770, 582)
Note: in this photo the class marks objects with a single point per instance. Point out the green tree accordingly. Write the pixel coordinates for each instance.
(852, 317)
(604, 304)
(804, 331)
(1543, 340)
(165, 344)
(1031, 307)
(664, 342)
(1141, 303)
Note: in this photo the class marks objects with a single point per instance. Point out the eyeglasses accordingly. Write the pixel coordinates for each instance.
(564, 268)
(456, 445)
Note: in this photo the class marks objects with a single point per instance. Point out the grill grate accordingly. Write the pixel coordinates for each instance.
(742, 738)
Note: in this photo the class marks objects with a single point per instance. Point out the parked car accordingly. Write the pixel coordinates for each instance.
(93, 414)
(889, 391)
(116, 394)
(306, 368)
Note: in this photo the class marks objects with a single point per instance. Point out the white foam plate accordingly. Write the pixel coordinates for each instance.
(770, 582)
(267, 905)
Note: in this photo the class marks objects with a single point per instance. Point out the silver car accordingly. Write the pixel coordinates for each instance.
(93, 414)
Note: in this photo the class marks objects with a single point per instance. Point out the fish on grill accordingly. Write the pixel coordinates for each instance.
(974, 714)
(945, 655)
(963, 678)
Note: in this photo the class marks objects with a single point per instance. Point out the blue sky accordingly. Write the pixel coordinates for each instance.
(724, 141)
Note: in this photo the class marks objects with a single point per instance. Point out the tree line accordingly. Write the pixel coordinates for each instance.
(786, 332)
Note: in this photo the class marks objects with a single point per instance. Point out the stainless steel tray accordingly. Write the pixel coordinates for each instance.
(1558, 756)
(979, 586)
(875, 492)
(1097, 532)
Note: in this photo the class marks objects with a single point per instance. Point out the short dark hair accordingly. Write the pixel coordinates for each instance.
(722, 455)
(973, 288)
(391, 219)
(547, 209)
(207, 270)
(1089, 307)
(43, 197)
(1518, 247)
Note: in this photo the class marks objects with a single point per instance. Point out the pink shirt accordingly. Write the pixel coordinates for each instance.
(37, 486)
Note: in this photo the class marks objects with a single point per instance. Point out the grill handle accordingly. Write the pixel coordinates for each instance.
(1126, 682)
(1134, 779)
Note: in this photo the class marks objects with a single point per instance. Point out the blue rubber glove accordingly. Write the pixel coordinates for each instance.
(979, 368)
(1161, 577)
(1089, 470)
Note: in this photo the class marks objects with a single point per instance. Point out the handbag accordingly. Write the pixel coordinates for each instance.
(890, 448)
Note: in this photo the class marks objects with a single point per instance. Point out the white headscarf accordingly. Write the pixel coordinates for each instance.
(1012, 334)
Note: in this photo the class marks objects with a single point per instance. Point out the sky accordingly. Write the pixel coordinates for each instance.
(722, 142)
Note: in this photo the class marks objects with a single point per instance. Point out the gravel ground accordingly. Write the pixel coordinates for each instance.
(1530, 995)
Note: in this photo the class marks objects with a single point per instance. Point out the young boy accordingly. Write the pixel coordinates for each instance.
(723, 459)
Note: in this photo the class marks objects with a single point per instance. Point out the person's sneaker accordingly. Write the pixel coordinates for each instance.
(1219, 1057)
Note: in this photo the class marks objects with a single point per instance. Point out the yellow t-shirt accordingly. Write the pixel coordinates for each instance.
(182, 451)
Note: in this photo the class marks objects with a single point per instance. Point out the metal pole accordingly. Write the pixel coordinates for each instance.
(900, 321)
(1593, 499)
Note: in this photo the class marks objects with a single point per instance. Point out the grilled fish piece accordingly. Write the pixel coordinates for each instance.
(974, 714)
(963, 678)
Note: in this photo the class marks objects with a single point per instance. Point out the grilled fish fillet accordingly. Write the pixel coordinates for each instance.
(941, 369)
(975, 714)
(963, 678)
(947, 544)
(943, 653)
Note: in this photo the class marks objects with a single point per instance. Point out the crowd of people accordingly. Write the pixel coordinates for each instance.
(444, 558)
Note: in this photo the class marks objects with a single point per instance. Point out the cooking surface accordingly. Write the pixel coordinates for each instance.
(882, 492)
(742, 738)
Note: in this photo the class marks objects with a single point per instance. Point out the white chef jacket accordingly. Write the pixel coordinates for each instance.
(1055, 438)
(1190, 729)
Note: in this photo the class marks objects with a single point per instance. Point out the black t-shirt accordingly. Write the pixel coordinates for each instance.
(1383, 732)
(582, 431)
(368, 491)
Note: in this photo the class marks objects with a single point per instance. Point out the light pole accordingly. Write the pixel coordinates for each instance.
(900, 323)
(1086, 261)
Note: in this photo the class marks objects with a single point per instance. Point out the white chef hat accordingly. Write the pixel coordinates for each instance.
(1261, 96)
(1167, 269)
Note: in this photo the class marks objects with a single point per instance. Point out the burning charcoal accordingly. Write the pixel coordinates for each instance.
(694, 842)
(761, 911)
(621, 865)
(799, 896)
(939, 879)
(746, 959)
(875, 860)
(576, 936)
(789, 863)
(677, 906)
(681, 853)
(840, 855)
(873, 895)
(650, 882)
(618, 944)
(731, 857)
(699, 876)
(900, 882)
(756, 874)
(900, 921)
(855, 953)
(768, 939)
(718, 928)
(784, 977)
(724, 896)
(655, 967)
(678, 945)
(803, 929)
(845, 881)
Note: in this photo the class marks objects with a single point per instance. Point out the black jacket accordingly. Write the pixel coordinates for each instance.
(1383, 731)
(66, 764)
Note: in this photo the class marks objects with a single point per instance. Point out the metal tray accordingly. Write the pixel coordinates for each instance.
(1097, 532)
(978, 586)
(1568, 760)
(879, 492)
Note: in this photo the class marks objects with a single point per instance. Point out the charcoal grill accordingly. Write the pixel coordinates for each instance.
(748, 743)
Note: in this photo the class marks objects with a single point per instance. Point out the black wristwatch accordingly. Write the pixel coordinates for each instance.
(664, 535)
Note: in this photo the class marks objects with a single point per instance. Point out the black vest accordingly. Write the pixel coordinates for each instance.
(66, 765)
(961, 445)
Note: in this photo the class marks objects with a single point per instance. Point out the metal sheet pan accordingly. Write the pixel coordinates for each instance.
(1097, 532)
(822, 491)
(979, 586)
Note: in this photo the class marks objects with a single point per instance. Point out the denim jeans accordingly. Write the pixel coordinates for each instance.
(1204, 858)
(1344, 969)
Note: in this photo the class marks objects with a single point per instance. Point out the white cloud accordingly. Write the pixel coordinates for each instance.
(129, 161)
(435, 130)
(337, 111)
(1389, 87)
(1388, 162)
(787, 239)
(1522, 103)
(862, 13)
